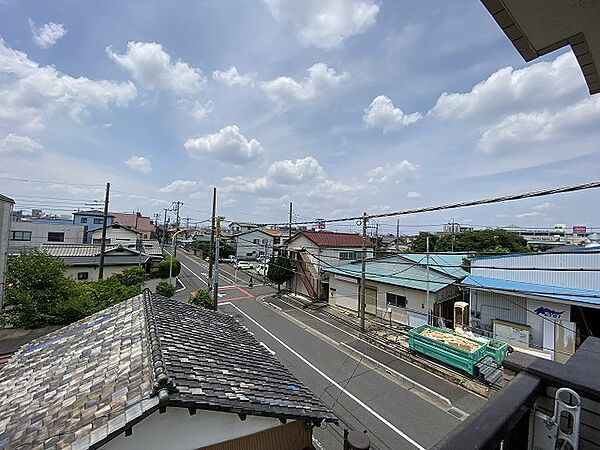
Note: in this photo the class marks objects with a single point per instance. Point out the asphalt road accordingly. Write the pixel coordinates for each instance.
(401, 406)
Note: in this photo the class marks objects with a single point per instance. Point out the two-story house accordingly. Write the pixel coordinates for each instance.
(91, 220)
(137, 222)
(312, 252)
(253, 244)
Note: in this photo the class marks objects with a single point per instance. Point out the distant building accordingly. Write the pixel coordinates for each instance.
(91, 220)
(116, 234)
(29, 235)
(6, 206)
(253, 244)
(241, 227)
(136, 222)
(36, 213)
(452, 227)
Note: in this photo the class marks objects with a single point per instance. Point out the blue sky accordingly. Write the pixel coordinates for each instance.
(340, 106)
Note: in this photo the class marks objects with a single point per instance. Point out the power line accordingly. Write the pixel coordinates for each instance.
(50, 182)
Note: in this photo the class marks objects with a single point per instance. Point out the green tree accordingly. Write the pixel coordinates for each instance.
(132, 276)
(419, 244)
(378, 248)
(202, 299)
(280, 270)
(163, 267)
(165, 289)
(483, 241)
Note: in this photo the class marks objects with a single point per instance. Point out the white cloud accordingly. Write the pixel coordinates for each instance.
(151, 66)
(529, 215)
(226, 145)
(381, 113)
(14, 143)
(413, 194)
(295, 172)
(231, 77)
(544, 206)
(515, 90)
(320, 78)
(29, 91)
(241, 184)
(48, 34)
(200, 111)
(139, 163)
(516, 131)
(404, 170)
(180, 186)
(326, 23)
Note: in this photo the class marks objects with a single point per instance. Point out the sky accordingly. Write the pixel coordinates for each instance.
(339, 106)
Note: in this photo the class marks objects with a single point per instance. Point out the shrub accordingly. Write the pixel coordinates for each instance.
(165, 289)
(202, 299)
(133, 276)
(163, 267)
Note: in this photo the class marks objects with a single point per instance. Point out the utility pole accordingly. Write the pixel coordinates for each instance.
(156, 222)
(103, 242)
(363, 291)
(164, 233)
(397, 235)
(290, 224)
(187, 223)
(216, 277)
(212, 239)
(427, 272)
(177, 204)
(453, 234)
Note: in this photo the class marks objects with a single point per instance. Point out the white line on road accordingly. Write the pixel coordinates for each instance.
(272, 305)
(180, 289)
(334, 383)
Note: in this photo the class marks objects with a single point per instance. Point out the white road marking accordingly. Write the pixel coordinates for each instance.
(272, 305)
(180, 289)
(334, 383)
(221, 273)
(267, 348)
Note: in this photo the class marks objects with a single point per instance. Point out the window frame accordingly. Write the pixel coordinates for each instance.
(83, 220)
(347, 255)
(395, 300)
(80, 276)
(98, 221)
(23, 234)
(56, 234)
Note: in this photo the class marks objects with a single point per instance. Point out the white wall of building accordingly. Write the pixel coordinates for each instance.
(254, 244)
(72, 234)
(176, 429)
(92, 271)
(5, 213)
(116, 235)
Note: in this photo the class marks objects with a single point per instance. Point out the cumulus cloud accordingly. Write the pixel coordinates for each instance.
(14, 143)
(326, 23)
(226, 145)
(517, 130)
(231, 77)
(180, 186)
(413, 194)
(197, 110)
(151, 67)
(509, 90)
(382, 113)
(529, 215)
(242, 184)
(392, 172)
(28, 91)
(544, 206)
(295, 172)
(48, 34)
(283, 90)
(139, 163)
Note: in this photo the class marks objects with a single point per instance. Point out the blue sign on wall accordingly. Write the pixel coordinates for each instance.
(547, 312)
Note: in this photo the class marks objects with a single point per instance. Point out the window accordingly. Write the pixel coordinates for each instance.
(396, 300)
(255, 241)
(82, 275)
(83, 220)
(250, 254)
(99, 240)
(20, 235)
(98, 221)
(349, 255)
(54, 236)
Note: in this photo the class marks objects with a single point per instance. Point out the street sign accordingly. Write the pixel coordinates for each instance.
(579, 229)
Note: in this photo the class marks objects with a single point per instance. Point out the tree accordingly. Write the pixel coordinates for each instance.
(280, 270)
(378, 247)
(483, 241)
(419, 244)
(132, 276)
(165, 289)
(202, 299)
(163, 267)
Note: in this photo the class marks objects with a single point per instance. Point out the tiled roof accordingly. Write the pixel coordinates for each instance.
(72, 250)
(84, 384)
(110, 260)
(139, 223)
(333, 239)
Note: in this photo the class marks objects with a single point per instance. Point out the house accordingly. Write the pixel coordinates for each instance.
(32, 234)
(136, 222)
(549, 302)
(83, 261)
(313, 251)
(116, 234)
(241, 227)
(6, 206)
(400, 288)
(253, 244)
(154, 373)
(91, 220)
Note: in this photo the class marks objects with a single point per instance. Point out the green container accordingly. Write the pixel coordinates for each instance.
(448, 354)
(497, 350)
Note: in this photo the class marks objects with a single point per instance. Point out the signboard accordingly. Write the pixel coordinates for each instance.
(319, 225)
(579, 230)
(547, 312)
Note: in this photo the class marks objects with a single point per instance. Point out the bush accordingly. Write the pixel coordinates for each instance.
(163, 267)
(133, 276)
(202, 299)
(165, 289)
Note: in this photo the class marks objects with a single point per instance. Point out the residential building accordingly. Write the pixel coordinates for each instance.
(401, 288)
(29, 235)
(177, 377)
(136, 222)
(6, 206)
(116, 234)
(241, 227)
(312, 252)
(83, 261)
(453, 227)
(253, 244)
(91, 220)
(546, 301)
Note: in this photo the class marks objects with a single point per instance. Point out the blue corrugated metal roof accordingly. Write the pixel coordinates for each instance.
(538, 290)
(397, 272)
(448, 264)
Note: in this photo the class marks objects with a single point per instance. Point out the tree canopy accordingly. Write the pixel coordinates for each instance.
(280, 270)
(202, 299)
(476, 241)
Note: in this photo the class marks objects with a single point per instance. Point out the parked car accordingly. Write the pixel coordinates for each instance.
(232, 259)
(243, 265)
